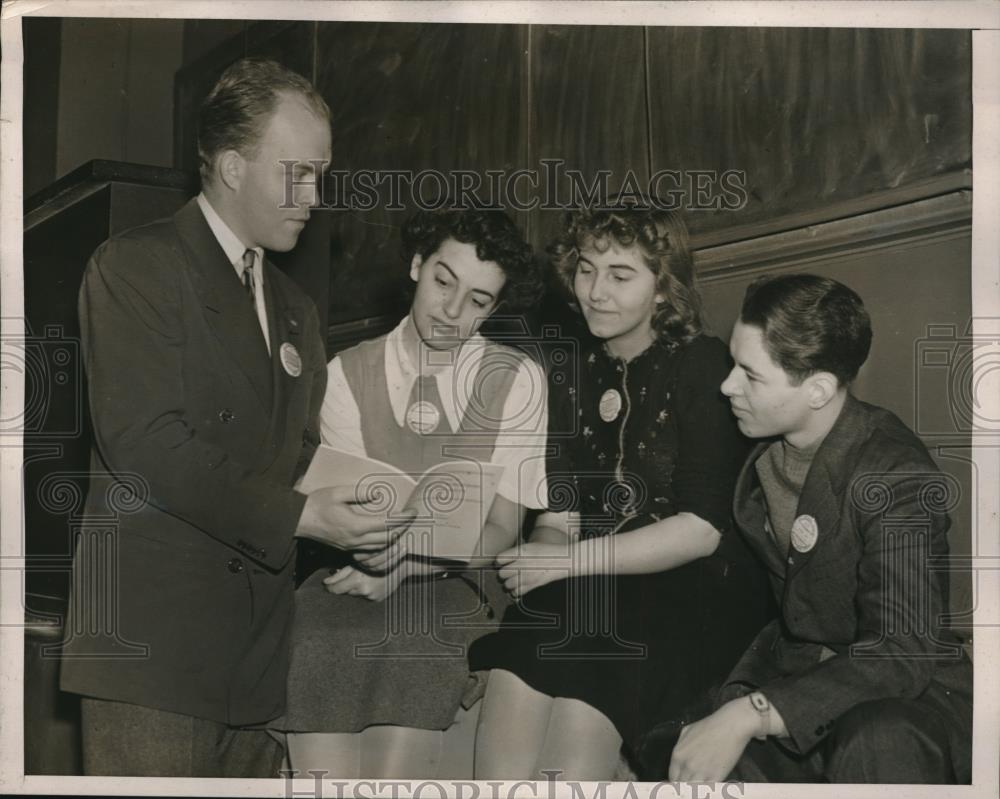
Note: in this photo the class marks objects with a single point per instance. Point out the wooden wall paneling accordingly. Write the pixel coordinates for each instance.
(42, 55)
(875, 229)
(289, 43)
(192, 84)
(813, 116)
(588, 108)
(203, 35)
(754, 232)
(92, 108)
(410, 97)
(156, 52)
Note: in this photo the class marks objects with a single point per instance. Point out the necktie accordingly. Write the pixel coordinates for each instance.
(248, 281)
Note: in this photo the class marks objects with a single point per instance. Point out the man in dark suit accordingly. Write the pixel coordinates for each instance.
(856, 680)
(206, 371)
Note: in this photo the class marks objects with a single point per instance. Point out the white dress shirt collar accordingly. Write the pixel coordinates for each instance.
(234, 249)
(230, 242)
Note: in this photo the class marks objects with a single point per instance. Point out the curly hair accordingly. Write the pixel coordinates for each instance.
(662, 238)
(236, 111)
(495, 237)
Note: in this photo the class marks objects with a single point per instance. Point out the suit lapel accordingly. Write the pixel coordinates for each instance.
(821, 504)
(822, 494)
(286, 320)
(224, 302)
(750, 511)
(282, 321)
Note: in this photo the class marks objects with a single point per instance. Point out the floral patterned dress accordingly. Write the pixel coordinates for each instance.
(654, 437)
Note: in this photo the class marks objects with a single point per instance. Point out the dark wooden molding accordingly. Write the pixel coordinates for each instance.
(875, 201)
(342, 335)
(95, 175)
(942, 216)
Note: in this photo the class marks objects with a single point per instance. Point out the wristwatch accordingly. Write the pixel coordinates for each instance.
(759, 703)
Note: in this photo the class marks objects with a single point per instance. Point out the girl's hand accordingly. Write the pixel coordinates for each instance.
(376, 588)
(528, 566)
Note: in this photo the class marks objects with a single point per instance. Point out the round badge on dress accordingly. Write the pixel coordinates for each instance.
(423, 417)
(610, 405)
(290, 359)
(804, 533)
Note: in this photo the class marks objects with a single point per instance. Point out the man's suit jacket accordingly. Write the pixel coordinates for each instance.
(189, 410)
(860, 611)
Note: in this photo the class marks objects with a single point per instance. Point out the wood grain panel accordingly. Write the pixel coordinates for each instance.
(813, 116)
(288, 43)
(192, 84)
(588, 107)
(42, 56)
(411, 97)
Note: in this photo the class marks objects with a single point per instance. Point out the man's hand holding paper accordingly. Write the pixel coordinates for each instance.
(337, 516)
(443, 509)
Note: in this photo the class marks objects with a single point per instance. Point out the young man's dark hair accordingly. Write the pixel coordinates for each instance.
(810, 324)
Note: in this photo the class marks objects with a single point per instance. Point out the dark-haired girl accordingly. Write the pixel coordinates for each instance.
(379, 665)
(633, 594)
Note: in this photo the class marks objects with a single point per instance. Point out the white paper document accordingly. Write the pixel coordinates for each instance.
(451, 499)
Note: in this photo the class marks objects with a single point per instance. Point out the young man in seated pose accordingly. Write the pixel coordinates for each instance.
(855, 681)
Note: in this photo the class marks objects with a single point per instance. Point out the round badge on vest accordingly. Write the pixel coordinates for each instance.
(423, 417)
(290, 359)
(610, 405)
(804, 533)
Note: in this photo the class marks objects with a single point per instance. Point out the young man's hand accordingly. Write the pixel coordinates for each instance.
(708, 750)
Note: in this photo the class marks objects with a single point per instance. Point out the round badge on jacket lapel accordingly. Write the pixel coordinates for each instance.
(804, 533)
(423, 417)
(290, 359)
(610, 405)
